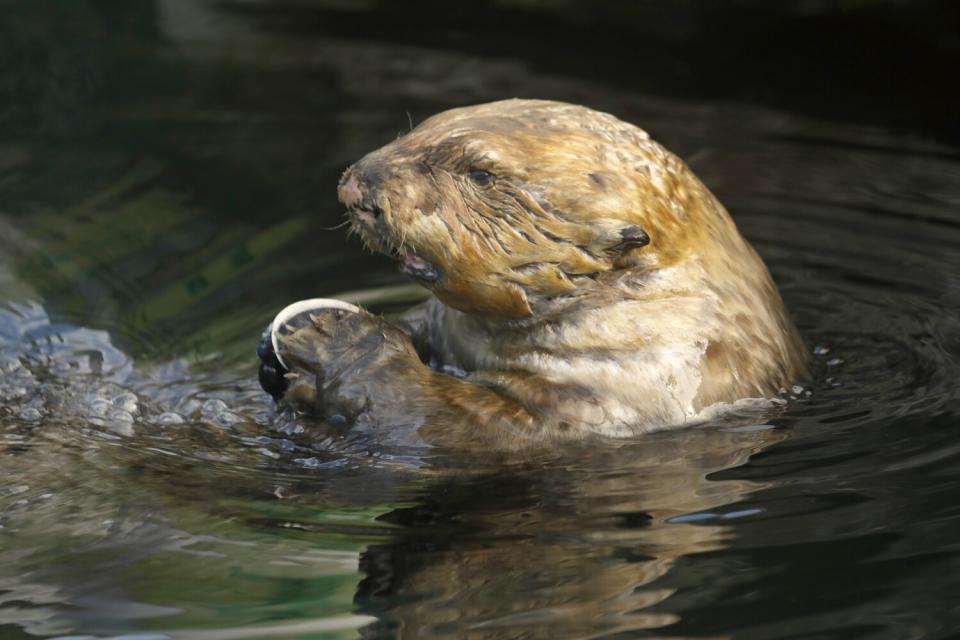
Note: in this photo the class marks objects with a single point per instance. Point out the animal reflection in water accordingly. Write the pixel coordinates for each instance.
(580, 545)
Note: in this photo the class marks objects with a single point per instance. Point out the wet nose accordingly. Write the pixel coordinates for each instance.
(349, 192)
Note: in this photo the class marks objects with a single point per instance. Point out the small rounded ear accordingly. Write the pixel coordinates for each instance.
(613, 236)
(631, 238)
(626, 253)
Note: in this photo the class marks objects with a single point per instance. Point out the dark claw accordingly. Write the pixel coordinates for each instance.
(272, 374)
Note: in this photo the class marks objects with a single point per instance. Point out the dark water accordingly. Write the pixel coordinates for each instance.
(166, 185)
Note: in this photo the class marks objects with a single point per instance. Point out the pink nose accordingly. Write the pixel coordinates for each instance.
(349, 192)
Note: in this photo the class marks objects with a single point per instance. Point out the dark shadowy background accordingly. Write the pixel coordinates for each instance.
(893, 62)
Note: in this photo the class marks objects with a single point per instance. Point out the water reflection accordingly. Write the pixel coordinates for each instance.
(572, 547)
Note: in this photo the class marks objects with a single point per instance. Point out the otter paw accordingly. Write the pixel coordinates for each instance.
(326, 357)
(310, 334)
(273, 372)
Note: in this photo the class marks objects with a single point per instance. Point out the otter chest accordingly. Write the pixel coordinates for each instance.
(627, 362)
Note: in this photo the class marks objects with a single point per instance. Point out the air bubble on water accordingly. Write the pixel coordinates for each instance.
(126, 402)
(287, 425)
(120, 415)
(832, 362)
(821, 350)
(170, 417)
(216, 412)
(120, 422)
(796, 389)
(100, 407)
(268, 453)
(13, 393)
(227, 419)
(30, 413)
(213, 407)
(186, 406)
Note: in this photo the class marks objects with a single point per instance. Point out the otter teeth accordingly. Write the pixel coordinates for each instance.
(410, 263)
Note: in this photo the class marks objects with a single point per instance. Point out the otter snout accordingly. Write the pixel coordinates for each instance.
(358, 188)
(360, 184)
(349, 192)
(361, 191)
(354, 192)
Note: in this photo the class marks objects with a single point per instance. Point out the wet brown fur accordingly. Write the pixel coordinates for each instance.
(589, 244)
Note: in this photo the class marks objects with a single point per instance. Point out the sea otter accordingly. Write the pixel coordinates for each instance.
(584, 280)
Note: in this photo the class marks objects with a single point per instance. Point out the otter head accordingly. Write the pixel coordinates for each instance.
(500, 207)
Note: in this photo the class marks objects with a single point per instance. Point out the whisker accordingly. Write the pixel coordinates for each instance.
(335, 227)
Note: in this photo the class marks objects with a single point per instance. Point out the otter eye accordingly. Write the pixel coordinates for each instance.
(480, 177)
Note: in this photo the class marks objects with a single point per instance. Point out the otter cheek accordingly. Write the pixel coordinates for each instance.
(425, 245)
(366, 218)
